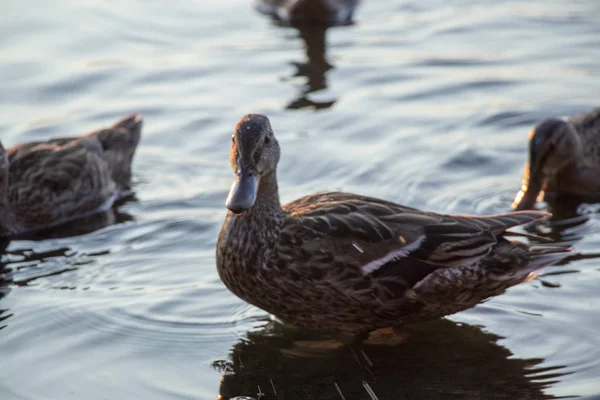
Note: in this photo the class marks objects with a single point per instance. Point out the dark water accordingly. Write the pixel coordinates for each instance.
(425, 103)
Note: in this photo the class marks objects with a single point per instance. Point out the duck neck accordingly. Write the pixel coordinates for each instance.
(267, 197)
(258, 227)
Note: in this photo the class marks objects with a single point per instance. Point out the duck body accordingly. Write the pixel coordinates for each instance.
(46, 183)
(313, 12)
(564, 160)
(351, 263)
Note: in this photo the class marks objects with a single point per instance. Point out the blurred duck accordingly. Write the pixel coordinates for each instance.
(351, 263)
(43, 184)
(317, 12)
(564, 160)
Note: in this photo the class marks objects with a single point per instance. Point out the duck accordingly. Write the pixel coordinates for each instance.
(312, 12)
(564, 161)
(47, 183)
(354, 264)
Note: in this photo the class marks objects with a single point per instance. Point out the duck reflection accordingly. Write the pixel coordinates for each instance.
(437, 360)
(5, 281)
(314, 69)
(567, 224)
(24, 257)
(79, 226)
(312, 19)
(58, 260)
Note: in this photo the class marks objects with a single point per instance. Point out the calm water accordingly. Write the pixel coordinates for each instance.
(425, 103)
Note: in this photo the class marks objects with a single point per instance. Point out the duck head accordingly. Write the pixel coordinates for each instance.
(253, 157)
(553, 145)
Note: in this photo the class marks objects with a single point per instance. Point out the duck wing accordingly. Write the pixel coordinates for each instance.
(340, 233)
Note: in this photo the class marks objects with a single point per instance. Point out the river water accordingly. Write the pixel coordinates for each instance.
(425, 103)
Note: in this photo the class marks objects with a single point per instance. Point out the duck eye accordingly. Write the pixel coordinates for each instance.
(267, 140)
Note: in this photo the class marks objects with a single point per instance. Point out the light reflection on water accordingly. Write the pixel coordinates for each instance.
(427, 104)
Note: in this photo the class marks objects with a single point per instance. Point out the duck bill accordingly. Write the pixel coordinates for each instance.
(527, 196)
(243, 192)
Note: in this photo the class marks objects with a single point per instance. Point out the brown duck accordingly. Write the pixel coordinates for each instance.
(47, 183)
(353, 263)
(564, 160)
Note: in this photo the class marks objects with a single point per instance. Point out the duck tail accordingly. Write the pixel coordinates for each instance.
(119, 143)
(542, 256)
(130, 123)
(124, 135)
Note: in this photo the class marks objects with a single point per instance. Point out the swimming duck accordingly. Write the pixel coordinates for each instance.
(564, 160)
(351, 263)
(318, 12)
(46, 183)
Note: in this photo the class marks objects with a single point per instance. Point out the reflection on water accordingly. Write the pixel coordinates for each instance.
(568, 223)
(84, 225)
(437, 360)
(313, 69)
(35, 264)
(5, 281)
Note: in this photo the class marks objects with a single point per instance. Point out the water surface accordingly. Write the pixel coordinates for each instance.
(425, 103)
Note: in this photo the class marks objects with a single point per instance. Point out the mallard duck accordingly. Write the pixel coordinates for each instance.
(564, 160)
(320, 12)
(43, 184)
(351, 263)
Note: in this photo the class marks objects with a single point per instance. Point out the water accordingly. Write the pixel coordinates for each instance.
(425, 103)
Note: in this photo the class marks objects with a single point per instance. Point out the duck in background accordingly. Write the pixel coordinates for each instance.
(46, 183)
(313, 12)
(355, 264)
(564, 162)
